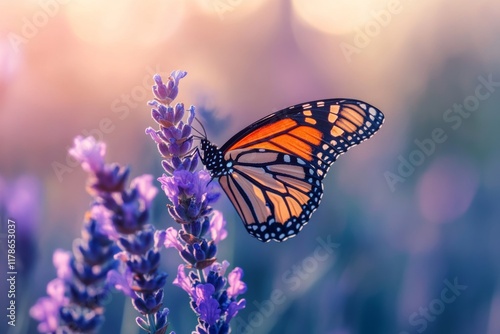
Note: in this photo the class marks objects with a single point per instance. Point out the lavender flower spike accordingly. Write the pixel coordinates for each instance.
(127, 213)
(167, 93)
(76, 296)
(201, 228)
(116, 221)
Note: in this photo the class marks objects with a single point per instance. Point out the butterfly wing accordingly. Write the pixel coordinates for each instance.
(274, 193)
(279, 162)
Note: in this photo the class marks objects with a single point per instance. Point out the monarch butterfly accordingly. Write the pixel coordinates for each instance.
(272, 170)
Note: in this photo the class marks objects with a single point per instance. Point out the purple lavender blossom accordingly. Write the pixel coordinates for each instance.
(75, 297)
(137, 275)
(47, 309)
(89, 153)
(192, 193)
(167, 93)
(46, 312)
(117, 220)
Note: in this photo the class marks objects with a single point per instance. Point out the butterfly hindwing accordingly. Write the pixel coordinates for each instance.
(272, 171)
(274, 193)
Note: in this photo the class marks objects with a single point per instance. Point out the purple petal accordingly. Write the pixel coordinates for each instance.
(179, 112)
(204, 292)
(218, 227)
(166, 93)
(160, 237)
(104, 222)
(234, 308)
(185, 146)
(144, 185)
(209, 311)
(172, 240)
(183, 281)
(160, 89)
(225, 264)
(56, 289)
(191, 115)
(154, 135)
(178, 75)
(121, 281)
(219, 268)
(236, 286)
(89, 152)
(185, 130)
(169, 186)
(46, 311)
(171, 134)
(61, 260)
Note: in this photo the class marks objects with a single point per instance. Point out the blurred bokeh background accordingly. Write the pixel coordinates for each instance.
(411, 216)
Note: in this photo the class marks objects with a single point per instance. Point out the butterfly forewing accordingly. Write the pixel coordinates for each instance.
(278, 163)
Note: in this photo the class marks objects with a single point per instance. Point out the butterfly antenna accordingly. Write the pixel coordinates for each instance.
(201, 124)
(200, 134)
(197, 137)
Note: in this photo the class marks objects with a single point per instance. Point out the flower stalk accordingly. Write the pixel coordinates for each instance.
(214, 295)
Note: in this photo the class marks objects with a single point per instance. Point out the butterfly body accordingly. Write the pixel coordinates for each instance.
(272, 171)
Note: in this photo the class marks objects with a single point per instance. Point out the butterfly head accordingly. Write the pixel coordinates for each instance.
(213, 159)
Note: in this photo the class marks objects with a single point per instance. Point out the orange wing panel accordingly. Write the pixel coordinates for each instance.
(263, 132)
(308, 133)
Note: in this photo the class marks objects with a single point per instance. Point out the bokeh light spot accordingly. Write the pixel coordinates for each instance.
(337, 17)
(124, 22)
(446, 190)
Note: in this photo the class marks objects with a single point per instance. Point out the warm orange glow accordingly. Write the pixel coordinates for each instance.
(117, 22)
(336, 17)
